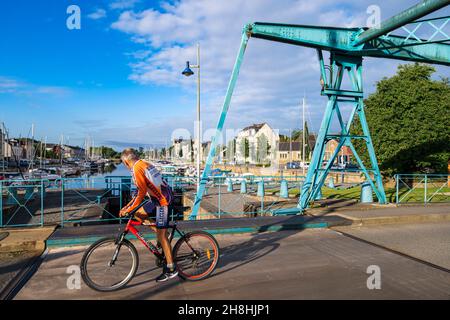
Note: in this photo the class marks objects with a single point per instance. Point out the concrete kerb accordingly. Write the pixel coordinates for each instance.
(414, 218)
(77, 241)
(25, 239)
(390, 214)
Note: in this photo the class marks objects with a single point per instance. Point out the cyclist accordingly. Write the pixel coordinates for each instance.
(149, 182)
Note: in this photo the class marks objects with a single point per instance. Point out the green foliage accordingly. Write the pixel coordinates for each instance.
(246, 149)
(107, 152)
(409, 117)
(297, 135)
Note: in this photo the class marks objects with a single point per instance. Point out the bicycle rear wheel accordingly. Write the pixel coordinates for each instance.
(196, 255)
(108, 266)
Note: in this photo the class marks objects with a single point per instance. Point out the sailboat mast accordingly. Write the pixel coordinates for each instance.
(45, 151)
(32, 147)
(3, 146)
(61, 149)
(303, 134)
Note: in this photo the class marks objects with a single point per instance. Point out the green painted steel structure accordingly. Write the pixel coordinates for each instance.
(347, 47)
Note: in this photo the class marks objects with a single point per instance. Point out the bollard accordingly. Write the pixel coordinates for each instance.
(12, 196)
(284, 192)
(260, 192)
(244, 186)
(366, 193)
(318, 195)
(230, 186)
(331, 183)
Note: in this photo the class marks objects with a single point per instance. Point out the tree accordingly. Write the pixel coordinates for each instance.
(246, 149)
(297, 135)
(309, 146)
(409, 118)
(263, 148)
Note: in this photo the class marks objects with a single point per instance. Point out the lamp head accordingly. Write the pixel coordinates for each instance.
(187, 71)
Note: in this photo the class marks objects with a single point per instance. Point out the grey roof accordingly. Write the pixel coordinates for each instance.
(285, 146)
(254, 126)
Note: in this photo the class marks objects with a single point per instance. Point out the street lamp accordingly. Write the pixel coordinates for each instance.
(188, 72)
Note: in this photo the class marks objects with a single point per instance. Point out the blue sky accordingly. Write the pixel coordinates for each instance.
(118, 78)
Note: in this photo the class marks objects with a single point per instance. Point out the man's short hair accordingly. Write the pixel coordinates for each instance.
(129, 154)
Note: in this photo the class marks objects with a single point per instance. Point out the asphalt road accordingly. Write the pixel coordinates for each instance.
(308, 264)
(426, 241)
(11, 265)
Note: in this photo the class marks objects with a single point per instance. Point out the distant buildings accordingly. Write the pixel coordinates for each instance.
(258, 144)
(182, 149)
(16, 149)
(289, 152)
(345, 154)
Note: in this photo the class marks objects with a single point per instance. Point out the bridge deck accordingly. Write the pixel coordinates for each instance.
(295, 264)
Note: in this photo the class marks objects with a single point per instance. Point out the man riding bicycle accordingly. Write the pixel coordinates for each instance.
(149, 182)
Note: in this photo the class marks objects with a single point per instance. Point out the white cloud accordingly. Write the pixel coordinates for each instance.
(123, 4)
(15, 86)
(9, 85)
(273, 77)
(97, 14)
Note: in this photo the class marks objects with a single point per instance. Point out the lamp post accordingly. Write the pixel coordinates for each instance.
(188, 72)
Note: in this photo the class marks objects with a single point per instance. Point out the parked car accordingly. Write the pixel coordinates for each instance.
(351, 166)
(293, 165)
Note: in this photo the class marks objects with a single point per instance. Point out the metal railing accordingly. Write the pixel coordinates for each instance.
(38, 202)
(85, 200)
(89, 200)
(246, 195)
(422, 188)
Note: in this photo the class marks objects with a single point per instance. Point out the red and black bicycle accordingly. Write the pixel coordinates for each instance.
(110, 263)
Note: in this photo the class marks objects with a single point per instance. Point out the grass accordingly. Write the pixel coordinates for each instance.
(416, 195)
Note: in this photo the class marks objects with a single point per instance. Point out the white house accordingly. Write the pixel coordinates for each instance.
(256, 144)
(182, 149)
(16, 149)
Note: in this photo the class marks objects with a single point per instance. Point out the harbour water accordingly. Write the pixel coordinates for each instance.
(118, 170)
(97, 179)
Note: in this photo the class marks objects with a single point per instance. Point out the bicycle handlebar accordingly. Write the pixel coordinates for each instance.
(132, 212)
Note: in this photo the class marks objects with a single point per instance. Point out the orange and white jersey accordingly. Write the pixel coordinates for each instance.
(148, 181)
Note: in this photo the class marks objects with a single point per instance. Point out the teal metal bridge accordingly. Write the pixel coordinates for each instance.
(347, 47)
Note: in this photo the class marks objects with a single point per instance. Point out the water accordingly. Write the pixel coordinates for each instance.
(96, 179)
(119, 170)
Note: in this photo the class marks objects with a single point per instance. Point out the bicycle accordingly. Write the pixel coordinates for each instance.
(197, 251)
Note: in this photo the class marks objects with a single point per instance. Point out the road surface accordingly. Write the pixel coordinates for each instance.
(308, 264)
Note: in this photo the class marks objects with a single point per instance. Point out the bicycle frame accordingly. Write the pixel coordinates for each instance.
(131, 227)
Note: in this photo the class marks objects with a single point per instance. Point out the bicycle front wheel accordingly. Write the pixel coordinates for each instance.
(196, 255)
(108, 266)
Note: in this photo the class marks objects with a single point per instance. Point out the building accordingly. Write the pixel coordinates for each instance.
(256, 144)
(345, 154)
(183, 149)
(73, 152)
(289, 152)
(68, 152)
(292, 151)
(14, 149)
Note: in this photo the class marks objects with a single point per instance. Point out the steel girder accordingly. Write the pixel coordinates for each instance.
(342, 40)
(315, 178)
(347, 47)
